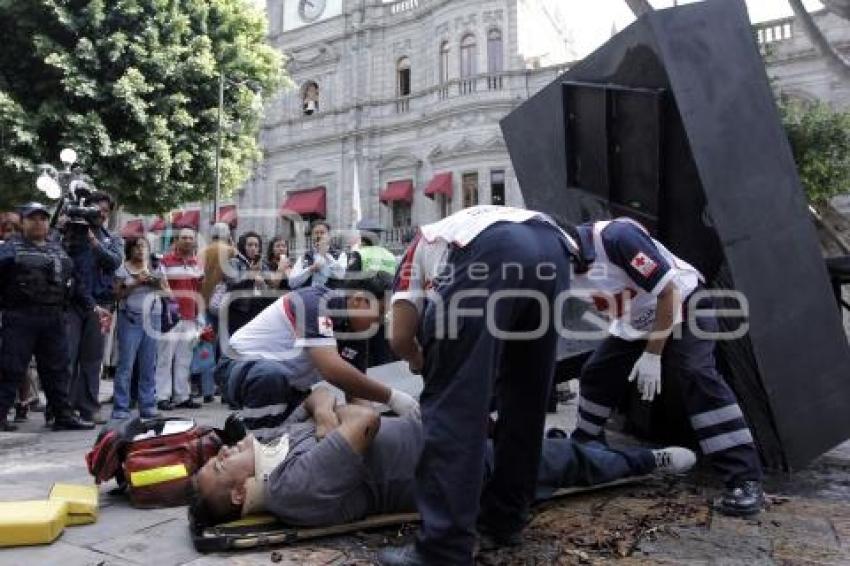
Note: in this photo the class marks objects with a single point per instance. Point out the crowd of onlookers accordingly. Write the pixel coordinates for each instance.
(152, 321)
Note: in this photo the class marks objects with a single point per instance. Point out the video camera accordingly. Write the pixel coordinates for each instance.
(74, 205)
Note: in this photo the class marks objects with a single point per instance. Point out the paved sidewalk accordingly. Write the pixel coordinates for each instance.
(666, 521)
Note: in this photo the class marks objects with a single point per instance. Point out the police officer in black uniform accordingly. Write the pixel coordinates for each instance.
(36, 277)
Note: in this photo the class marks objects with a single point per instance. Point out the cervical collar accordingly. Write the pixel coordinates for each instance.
(267, 457)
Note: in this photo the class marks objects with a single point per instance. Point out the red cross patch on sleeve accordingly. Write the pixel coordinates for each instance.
(643, 264)
(326, 326)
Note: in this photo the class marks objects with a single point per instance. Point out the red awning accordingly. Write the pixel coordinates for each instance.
(133, 229)
(157, 225)
(176, 218)
(398, 191)
(441, 184)
(311, 202)
(188, 219)
(227, 214)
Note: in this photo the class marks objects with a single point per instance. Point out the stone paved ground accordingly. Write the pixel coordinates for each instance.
(664, 521)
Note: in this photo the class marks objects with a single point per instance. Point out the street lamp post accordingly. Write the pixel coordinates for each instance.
(217, 196)
(50, 180)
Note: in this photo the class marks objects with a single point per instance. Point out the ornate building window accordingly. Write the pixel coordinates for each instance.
(497, 186)
(401, 214)
(495, 57)
(470, 189)
(468, 54)
(444, 62)
(310, 97)
(403, 77)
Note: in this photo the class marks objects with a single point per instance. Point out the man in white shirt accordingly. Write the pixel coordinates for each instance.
(305, 336)
(463, 285)
(645, 290)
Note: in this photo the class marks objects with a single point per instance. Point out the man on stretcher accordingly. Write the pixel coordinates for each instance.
(336, 464)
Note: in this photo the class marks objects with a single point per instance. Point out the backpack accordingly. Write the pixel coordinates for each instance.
(154, 466)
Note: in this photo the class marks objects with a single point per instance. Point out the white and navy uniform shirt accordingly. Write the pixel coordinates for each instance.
(287, 328)
(427, 254)
(633, 268)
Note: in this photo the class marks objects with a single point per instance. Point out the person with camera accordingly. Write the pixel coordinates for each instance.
(97, 253)
(36, 277)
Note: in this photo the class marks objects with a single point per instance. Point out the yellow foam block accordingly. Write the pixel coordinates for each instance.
(82, 502)
(31, 522)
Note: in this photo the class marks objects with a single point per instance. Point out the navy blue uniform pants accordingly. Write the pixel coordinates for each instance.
(506, 280)
(38, 332)
(715, 416)
(85, 348)
(260, 390)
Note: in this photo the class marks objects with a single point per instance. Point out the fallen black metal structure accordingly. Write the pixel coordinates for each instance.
(673, 122)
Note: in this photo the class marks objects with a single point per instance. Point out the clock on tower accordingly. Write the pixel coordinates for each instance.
(300, 13)
(311, 10)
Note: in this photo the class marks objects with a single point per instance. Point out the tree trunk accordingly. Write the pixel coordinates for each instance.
(835, 61)
(639, 7)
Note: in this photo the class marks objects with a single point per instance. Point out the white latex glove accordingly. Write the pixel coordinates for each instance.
(403, 404)
(647, 370)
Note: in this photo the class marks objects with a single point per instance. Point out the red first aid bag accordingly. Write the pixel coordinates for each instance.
(154, 460)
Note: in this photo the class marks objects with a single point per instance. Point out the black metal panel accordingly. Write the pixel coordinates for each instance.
(587, 137)
(538, 145)
(755, 199)
(729, 201)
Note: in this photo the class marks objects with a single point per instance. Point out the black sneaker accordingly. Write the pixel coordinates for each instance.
(72, 422)
(209, 398)
(165, 405)
(21, 410)
(6, 426)
(94, 417)
(188, 404)
(742, 499)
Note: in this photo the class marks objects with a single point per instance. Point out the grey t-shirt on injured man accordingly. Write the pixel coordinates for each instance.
(325, 482)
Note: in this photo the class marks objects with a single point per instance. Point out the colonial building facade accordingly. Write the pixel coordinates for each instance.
(394, 111)
(399, 102)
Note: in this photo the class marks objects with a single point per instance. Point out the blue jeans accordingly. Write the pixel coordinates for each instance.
(208, 382)
(134, 343)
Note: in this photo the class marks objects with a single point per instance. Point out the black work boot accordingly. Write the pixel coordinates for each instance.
(491, 539)
(72, 422)
(742, 499)
(5, 425)
(21, 410)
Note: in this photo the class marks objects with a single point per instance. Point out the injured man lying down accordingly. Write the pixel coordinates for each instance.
(334, 464)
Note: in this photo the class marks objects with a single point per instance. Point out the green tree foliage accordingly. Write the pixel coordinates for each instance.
(132, 85)
(820, 141)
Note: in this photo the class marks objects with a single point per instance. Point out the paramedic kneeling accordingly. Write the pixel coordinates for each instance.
(307, 335)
